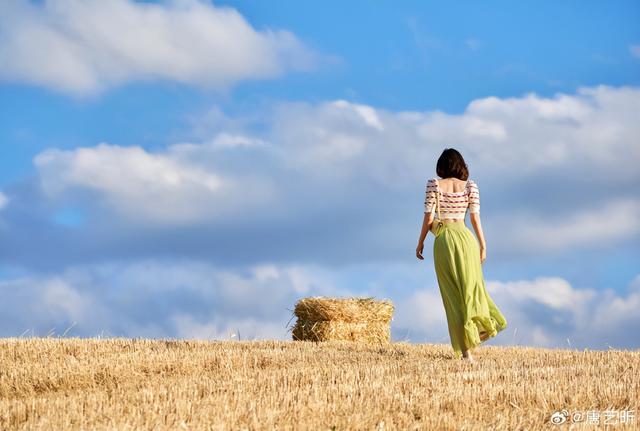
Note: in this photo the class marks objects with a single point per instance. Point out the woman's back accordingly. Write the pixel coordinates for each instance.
(461, 195)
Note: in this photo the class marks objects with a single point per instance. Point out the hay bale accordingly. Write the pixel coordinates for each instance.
(323, 330)
(344, 309)
(353, 319)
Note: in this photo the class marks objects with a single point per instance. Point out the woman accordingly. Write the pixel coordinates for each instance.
(472, 316)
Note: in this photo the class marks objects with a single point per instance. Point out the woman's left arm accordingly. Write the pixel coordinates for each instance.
(429, 214)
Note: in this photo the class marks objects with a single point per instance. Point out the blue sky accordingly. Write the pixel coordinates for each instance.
(222, 153)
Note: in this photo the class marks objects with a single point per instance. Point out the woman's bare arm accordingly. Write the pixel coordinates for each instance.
(426, 226)
(477, 227)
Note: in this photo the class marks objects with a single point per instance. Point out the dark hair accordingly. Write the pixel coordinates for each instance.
(451, 164)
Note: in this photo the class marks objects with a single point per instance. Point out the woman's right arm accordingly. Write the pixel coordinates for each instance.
(474, 216)
(477, 226)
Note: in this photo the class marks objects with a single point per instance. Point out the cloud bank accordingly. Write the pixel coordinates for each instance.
(192, 299)
(348, 178)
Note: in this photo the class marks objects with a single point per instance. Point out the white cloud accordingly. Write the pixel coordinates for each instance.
(301, 280)
(421, 315)
(338, 140)
(148, 187)
(594, 128)
(83, 47)
(614, 311)
(554, 292)
(224, 140)
(605, 222)
(635, 50)
(367, 113)
(221, 142)
(59, 297)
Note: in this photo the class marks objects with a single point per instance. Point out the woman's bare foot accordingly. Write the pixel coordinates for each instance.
(466, 355)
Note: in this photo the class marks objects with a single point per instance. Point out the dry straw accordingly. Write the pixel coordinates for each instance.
(76, 384)
(352, 319)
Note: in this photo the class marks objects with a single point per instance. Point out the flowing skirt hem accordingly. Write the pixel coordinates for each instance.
(479, 329)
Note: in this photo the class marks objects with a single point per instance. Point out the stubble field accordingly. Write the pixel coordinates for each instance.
(124, 384)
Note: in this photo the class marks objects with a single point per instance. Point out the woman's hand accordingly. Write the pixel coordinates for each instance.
(483, 254)
(419, 249)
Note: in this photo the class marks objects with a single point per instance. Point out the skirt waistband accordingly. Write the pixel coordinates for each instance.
(457, 224)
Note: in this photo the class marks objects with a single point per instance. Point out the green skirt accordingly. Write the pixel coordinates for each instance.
(472, 316)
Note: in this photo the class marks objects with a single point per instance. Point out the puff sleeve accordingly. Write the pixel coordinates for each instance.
(474, 197)
(430, 196)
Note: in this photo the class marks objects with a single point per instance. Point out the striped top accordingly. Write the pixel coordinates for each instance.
(453, 205)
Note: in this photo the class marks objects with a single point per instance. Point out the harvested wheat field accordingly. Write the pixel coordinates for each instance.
(117, 383)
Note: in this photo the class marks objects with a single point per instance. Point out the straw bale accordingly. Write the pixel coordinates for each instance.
(361, 310)
(353, 319)
(324, 330)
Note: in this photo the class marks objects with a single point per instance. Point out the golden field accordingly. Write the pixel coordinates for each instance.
(124, 384)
